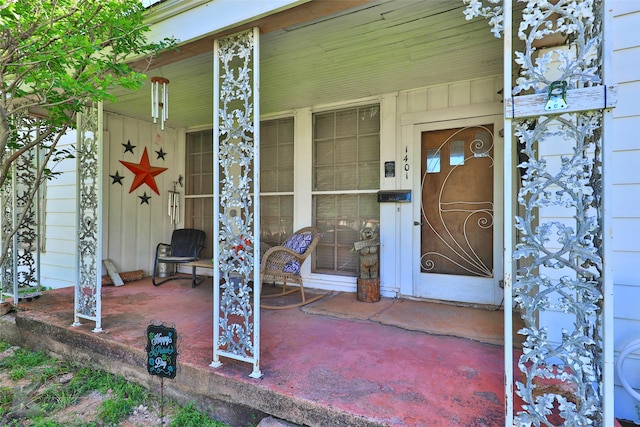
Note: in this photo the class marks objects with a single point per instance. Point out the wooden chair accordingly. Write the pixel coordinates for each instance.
(185, 247)
(281, 265)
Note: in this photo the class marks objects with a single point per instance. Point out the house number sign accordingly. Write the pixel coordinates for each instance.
(162, 352)
(405, 160)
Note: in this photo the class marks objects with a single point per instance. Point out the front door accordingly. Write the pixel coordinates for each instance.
(457, 227)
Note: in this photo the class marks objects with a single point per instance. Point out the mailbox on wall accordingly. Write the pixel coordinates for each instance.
(394, 196)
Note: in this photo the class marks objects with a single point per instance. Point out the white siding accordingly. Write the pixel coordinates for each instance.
(453, 101)
(133, 229)
(626, 196)
(57, 260)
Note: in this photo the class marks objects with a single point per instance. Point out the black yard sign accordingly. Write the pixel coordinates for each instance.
(162, 351)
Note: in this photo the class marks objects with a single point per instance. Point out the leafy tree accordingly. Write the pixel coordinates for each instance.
(55, 56)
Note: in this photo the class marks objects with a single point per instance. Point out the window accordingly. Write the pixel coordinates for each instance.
(346, 178)
(276, 180)
(199, 186)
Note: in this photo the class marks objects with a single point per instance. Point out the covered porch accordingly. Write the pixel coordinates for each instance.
(337, 361)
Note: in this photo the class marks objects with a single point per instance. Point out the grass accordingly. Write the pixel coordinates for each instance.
(188, 416)
(38, 388)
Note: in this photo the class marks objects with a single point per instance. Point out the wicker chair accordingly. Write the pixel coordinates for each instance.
(281, 265)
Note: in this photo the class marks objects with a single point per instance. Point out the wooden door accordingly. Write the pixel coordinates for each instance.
(457, 214)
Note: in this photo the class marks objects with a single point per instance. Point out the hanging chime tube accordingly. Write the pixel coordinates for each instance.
(159, 106)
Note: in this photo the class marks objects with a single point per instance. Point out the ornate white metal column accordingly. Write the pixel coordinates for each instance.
(560, 262)
(236, 262)
(89, 215)
(21, 197)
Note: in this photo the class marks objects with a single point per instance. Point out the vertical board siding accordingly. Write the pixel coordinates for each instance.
(464, 93)
(57, 261)
(626, 193)
(133, 229)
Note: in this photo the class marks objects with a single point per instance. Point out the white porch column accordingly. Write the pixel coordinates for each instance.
(236, 201)
(88, 287)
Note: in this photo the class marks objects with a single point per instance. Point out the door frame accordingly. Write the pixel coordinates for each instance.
(459, 292)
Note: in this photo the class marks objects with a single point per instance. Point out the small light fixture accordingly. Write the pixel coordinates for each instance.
(159, 104)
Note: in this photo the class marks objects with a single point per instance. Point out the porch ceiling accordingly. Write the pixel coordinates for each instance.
(377, 47)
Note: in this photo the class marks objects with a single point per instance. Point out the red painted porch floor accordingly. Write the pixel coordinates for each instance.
(337, 361)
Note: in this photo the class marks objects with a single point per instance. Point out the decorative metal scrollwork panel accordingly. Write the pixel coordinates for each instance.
(560, 261)
(21, 197)
(236, 329)
(89, 259)
(7, 227)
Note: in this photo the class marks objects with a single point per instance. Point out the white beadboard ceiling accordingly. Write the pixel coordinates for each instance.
(379, 47)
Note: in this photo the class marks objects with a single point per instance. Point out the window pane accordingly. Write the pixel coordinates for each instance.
(199, 214)
(269, 180)
(324, 179)
(199, 174)
(353, 134)
(368, 176)
(276, 175)
(276, 155)
(456, 153)
(324, 153)
(349, 138)
(369, 148)
(324, 125)
(285, 157)
(433, 161)
(347, 150)
(324, 259)
(346, 122)
(345, 177)
(369, 120)
(340, 218)
(276, 219)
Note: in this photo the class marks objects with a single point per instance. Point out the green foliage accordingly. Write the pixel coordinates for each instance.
(49, 395)
(189, 416)
(59, 54)
(125, 397)
(6, 398)
(25, 358)
(55, 58)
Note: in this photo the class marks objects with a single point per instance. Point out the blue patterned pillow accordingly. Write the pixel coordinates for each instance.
(299, 242)
(292, 267)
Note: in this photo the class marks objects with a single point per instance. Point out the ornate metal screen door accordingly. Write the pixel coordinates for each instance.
(457, 215)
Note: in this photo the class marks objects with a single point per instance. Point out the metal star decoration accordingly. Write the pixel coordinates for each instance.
(128, 147)
(160, 154)
(144, 198)
(145, 173)
(117, 178)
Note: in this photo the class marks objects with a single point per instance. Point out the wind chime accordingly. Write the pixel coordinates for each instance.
(159, 100)
(174, 202)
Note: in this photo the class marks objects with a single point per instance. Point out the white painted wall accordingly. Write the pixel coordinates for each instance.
(58, 259)
(133, 229)
(625, 145)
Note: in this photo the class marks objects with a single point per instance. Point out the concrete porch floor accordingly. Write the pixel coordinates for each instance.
(336, 362)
